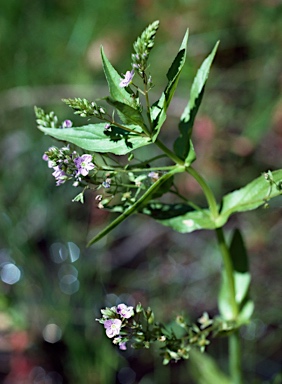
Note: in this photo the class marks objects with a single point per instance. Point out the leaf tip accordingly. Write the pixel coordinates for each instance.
(185, 39)
(102, 52)
(216, 46)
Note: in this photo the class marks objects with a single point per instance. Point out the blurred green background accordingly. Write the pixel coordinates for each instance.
(52, 287)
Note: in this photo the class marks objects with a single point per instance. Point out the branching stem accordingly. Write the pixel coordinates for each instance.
(206, 189)
(169, 153)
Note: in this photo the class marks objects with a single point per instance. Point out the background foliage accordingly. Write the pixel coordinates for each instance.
(50, 50)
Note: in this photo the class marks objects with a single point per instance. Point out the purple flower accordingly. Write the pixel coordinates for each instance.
(153, 175)
(51, 163)
(112, 327)
(121, 344)
(83, 165)
(125, 311)
(59, 175)
(67, 124)
(127, 79)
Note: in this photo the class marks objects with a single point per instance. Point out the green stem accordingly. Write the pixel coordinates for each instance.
(228, 267)
(169, 153)
(234, 340)
(206, 189)
(235, 358)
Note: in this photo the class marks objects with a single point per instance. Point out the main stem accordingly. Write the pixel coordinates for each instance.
(228, 266)
(234, 339)
(235, 367)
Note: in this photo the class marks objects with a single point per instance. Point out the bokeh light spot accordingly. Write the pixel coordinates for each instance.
(10, 273)
(67, 269)
(52, 333)
(74, 251)
(59, 252)
(69, 284)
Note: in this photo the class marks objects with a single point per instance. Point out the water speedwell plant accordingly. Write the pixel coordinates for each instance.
(100, 156)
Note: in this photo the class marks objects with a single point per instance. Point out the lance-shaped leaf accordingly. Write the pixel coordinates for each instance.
(94, 138)
(240, 263)
(180, 217)
(113, 78)
(156, 209)
(242, 279)
(183, 146)
(162, 211)
(159, 108)
(145, 198)
(127, 114)
(250, 197)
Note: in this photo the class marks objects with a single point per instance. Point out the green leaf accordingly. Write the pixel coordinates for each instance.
(165, 187)
(238, 253)
(246, 306)
(188, 222)
(181, 218)
(242, 279)
(246, 312)
(224, 300)
(127, 114)
(240, 263)
(136, 206)
(162, 211)
(183, 146)
(158, 109)
(250, 197)
(93, 138)
(113, 78)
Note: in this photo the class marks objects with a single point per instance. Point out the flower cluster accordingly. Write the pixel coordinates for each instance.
(123, 324)
(68, 164)
(143, 46)
(114, 319)
(85, 108)
(45, 119)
